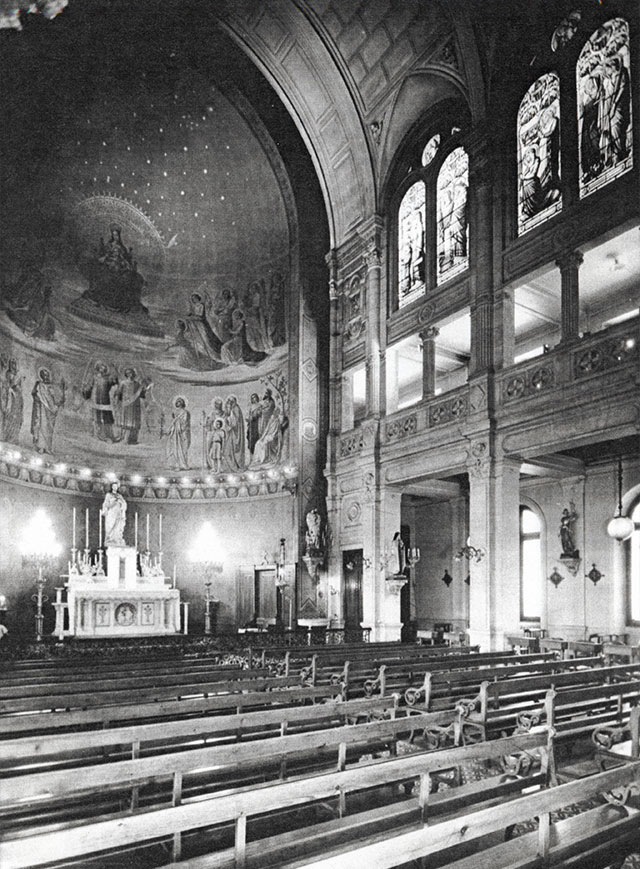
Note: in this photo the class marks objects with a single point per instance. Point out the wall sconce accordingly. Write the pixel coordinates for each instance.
(447, 578)
(620, 527)
(594, 574)
(472, 553)
(556, 577)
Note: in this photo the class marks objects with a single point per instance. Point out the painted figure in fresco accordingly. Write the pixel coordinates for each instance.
(276, 314)
(198, 332)
(255, 314)
(567, 538)
(47, 401)
(11, 400)
(114, 510)
(253, 423)
(233, 454)
(97, 389)
(114, 280)
(127, 399)
(33, 315)
(216, 440)
(269, 445)
(179, 436)
(237, 349)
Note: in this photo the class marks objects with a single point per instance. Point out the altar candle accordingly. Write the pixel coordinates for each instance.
(160, 532)
(290, 614)
(147, 532)
(99, 529)
(86, 528)
(174, 574)
(74, 528)
(135, 532)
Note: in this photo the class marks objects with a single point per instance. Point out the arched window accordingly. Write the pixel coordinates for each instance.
(530, 565)
(411, 239)
(453, 222)
(633, 556)
(538, 128)
(603, 79)
(430, 234)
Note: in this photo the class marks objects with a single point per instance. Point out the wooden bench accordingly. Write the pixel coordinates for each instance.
(618, 744)
(597, 837)
(105, 716)
(136, 740)
(442, 689)
(261, 809)
(89, 695)
(498, 704)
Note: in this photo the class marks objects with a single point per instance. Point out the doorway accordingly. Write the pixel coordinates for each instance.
(352, 585)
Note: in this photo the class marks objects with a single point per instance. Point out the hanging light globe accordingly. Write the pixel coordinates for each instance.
(620, 528)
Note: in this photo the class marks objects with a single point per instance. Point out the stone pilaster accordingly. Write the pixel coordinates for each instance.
(428, 338)
(481, 248)
(569, 265)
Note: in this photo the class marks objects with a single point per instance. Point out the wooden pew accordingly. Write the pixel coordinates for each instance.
(618, 744)
(136, 740)
(247, 806)
(442, 689)
(47, 796)
(217, 704)
(370, 676)
(597, 837)
(498, 704)
(94, 696)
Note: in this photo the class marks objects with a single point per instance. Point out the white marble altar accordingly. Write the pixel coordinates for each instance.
(120, 603)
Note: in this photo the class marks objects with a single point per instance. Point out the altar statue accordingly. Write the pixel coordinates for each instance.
(114, 510)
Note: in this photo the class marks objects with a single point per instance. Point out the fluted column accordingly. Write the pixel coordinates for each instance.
(428, 338)
(569, 265)
(481, 247)
(373, 260)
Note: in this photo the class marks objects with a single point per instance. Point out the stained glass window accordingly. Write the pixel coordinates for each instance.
(430, 149)
(453, 223)
(604, 106)
(530, 566)
(411, 244)
(539, 194)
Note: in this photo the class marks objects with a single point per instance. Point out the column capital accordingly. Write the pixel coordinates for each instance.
(373, 257)
(571, 259)
(429, 334)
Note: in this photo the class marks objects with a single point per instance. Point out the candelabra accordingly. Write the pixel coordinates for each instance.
(206, 553)
(471, 553)
(39, 550)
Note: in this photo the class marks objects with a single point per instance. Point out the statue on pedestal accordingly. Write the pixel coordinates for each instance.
(114, 510)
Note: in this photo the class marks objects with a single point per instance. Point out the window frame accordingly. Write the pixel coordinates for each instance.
(522, 537)
(628, 561)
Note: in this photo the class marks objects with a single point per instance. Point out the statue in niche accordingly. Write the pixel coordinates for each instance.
(114, 280)
(114, 510)
(314, 537)
(567, 535)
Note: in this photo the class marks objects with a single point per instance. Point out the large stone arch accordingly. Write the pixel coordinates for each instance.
(284, 45)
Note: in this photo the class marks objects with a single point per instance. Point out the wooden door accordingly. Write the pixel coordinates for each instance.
(352, 585)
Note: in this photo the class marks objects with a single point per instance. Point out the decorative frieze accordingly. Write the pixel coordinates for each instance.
(351, 444)
(400, 428)
(454, 408)
(603, 356)
(531, 381)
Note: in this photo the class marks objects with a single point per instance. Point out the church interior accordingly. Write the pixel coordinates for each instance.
(320, 433)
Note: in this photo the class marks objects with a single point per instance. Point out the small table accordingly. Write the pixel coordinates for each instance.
(553, 644)
(583, 649)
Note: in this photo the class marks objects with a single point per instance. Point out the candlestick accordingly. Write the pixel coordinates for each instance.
(86, 528)
(147, 532)
(74, 528)
(135, 532)
(99, 529)
(160, 532)
(174, 574)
